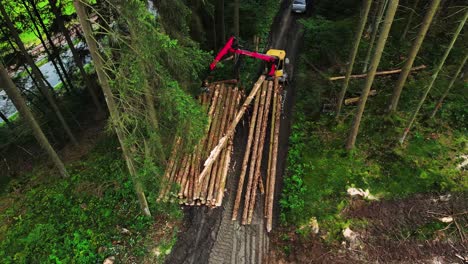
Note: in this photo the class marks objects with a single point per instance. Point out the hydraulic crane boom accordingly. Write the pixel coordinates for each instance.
(231, 47)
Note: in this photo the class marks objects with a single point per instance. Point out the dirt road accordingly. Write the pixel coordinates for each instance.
(210, 235)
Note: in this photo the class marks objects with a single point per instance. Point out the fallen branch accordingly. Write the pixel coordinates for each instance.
(378, 73)
(354, 100)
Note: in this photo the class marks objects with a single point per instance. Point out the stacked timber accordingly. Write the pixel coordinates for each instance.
(200, 177)
(267, 109)
(221, 103)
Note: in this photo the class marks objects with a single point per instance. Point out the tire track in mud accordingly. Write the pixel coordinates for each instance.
(210, 236)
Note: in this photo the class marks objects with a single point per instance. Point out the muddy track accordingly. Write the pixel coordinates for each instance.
(210, 236)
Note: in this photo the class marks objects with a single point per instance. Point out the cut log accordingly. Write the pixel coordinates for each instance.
(245, 162)
(377, 73)
(270, 148)
(169, 168)
(258, 173)
(251, 184)
(354, 100)
(219, 198)
(274, 161)
(214, 154)
(212, 139)
(218, 134)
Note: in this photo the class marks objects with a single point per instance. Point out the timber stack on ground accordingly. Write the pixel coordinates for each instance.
(200, 178)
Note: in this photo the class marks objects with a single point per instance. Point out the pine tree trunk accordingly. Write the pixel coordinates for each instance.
(5, 119)
(222, 22)
(410, 19)
(76, 58)
(412, 55)
(452, 82)
(434, 77)
(50, 56)
(366, 4)
(114, 112)
(236, 18)
(15, 96)
(375, 30)
(37, 74)
(387, 24)
(55, 50)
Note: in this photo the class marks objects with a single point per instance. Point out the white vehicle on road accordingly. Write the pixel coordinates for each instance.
(299, 6)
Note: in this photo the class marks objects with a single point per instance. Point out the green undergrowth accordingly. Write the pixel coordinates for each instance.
(320, 170)
(45, 219)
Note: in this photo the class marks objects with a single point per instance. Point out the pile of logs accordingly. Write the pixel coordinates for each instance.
(267, 107)
(202, 175)
(222, 103)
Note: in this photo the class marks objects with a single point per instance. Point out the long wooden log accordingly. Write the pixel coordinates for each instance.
(377, 73)
(234, 107)
(212, 135)
(274, 161)
(270, 148)
(219, 198)
(258, 173)
(245, 162)
(218, 134)
(253, 159)
(214, 154)
(183, 182)
(169, 168)
(211, 102)
(354, 100)
(221, 163)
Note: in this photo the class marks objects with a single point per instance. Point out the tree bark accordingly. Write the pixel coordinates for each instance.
(76, 57)
(37, 74)
(114, 112)
(454, 78)
(393, 5)
(434, 77)
(412, 55)
(366, 4)
(15, 96)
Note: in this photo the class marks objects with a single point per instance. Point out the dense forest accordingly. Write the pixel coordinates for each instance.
(324, 132)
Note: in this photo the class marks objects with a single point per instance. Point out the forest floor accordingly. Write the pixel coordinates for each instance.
(395, 231)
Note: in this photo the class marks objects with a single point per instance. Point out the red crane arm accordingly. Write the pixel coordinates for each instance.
(229, 49)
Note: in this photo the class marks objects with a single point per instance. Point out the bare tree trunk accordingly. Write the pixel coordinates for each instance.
(15, 96)
(434, 77)
(410, 19)
(76, 57)
(454, 78)
(366, 4)
(50, 56)
(37, 74)
(55, 50)
(5, 119)
(375, 30)
(222, 23)
(393, 5)
(412, 55)
(114, 112)
(236, 18)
